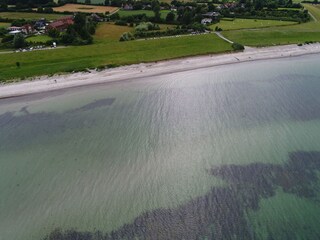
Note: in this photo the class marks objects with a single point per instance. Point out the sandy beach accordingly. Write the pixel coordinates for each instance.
(45, 83)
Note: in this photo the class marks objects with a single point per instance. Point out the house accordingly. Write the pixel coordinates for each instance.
(25, 29)
(206, 21)
(212, 15)
(40, 24)
(14, 28)
(61, 24)
(128, 7)
(14, 32)
(96, 18)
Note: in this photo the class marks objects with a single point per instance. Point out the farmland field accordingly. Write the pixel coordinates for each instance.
(110, 32)
(30, 16)
(298, 33)
(115, 53)
(149, 13)
(84, 8)
(249, 23)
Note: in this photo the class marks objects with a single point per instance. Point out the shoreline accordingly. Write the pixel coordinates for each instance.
(58, 82)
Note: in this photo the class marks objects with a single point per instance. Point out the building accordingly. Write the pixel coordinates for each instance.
(206, 21)
(212, 15)
(61, 24)
(25, 29)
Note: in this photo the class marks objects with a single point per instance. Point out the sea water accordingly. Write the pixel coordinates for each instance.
(228, 152)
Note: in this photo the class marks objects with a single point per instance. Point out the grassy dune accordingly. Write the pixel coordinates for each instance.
(116, 53)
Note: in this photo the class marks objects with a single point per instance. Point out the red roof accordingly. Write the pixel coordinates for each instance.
(62, 23)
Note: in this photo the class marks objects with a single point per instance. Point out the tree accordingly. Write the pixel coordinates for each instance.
(187, 17)
(88, 2)
(3, 5)
(170, 17)
(157, 15)
(19, 41)
(54, 33)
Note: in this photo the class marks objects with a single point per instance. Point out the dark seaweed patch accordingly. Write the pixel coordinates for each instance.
(220, 214)
(49, 123)
(96, 104)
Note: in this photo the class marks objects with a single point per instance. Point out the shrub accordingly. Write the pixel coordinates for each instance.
(127, 36)
(237, 46)
(121, 23)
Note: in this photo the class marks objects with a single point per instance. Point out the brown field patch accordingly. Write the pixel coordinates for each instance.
(84, 8)
(110, 32)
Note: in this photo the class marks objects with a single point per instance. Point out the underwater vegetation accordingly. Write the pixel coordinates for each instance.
(221, 213)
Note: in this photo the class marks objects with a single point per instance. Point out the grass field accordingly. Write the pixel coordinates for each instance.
(279, 35)
(40, 38)
(116, 53)
(149, 13)
(249, 23)
(107, 32)
(30, 16)
(4, 25)
(84, 8)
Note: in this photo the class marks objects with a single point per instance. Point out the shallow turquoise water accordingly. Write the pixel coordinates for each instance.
(98, 157)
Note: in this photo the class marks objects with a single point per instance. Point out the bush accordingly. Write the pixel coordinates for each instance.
(237, 46)
(54, 33)
(7, 38)
(147, 27)
(121, 23)
(170, 17)
(127, 36)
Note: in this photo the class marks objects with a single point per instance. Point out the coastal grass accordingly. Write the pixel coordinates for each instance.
(248, 23)
(30, 15)
(106, 54)
(293, 34)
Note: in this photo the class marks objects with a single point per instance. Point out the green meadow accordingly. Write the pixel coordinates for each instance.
(112, 53)
(149, 13)
(108, 51)
(4, 24)
(230, 24)
(294, 34)
(40, 38)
